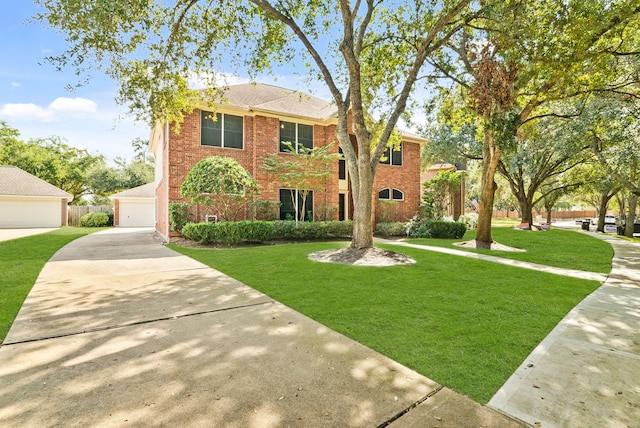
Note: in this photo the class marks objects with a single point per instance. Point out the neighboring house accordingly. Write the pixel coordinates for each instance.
(27, 201)
(135, 207)
(456, 199)
(250, 123)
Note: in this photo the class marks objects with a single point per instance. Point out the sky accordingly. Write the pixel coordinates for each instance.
(34, 98)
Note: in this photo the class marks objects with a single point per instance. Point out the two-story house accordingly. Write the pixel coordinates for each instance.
(250, 123)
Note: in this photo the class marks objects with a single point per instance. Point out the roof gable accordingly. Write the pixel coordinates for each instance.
(144, 191)
(273, 99)
(16, 182)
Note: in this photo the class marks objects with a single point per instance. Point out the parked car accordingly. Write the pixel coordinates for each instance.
(610, 219)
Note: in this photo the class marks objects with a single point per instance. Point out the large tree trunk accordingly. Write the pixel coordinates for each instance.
(490, 158)
(631, 215)
(602, 211)
(526, 211)
(362, 205)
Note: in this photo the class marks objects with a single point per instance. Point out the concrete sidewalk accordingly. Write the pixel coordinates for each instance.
(586, 372)
(121, 331)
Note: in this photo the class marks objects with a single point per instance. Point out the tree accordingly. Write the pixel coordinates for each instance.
(302, 170)
(536, 168)
(613, 128)
(51, 160)
(222, 182)
(438, 191)
(369, 55)
(527, 55)
(105, 180)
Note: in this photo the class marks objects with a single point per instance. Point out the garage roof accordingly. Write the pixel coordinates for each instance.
(144, 191)
(16, 182)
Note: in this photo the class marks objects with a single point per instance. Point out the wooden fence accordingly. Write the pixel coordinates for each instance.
(76, 211)
(555, 215)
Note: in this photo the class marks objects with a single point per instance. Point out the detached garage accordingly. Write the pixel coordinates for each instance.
(27, 201)
(135, 207)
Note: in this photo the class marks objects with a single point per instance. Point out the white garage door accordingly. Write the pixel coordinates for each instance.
(19, 213)
(137, 213)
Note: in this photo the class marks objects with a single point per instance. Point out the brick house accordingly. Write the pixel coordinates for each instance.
(250, 124)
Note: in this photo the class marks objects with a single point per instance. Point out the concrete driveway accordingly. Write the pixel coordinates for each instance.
(121, 331)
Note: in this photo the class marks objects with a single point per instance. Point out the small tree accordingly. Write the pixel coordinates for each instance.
(222, 182)
(438, 191)
(302, 170)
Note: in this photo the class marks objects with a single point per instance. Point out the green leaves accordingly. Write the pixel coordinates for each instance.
(215, 177)
(49, 159)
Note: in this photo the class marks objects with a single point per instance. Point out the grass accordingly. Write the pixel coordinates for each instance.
(464, 323)
(556, 247)
(21, 261)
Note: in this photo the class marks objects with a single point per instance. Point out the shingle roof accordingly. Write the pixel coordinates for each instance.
(274, 99)
(260, 96)
(16, 182)
(144, 191)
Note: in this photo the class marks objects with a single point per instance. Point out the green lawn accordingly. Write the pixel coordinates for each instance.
(555, 247)
(464, 323)
(21, 261)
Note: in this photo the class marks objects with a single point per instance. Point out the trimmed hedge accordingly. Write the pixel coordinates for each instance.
(386, 230)
(446, 229)
(230, 233)
(96, 219)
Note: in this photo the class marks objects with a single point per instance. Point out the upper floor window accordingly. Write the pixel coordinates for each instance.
(392, 157)
(296, 134)
(225, 130)
(390, 195)
(342, 166)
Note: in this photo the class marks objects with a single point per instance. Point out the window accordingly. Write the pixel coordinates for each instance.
(391, 194)
(342, 166)
(393, 158)
(225, 131)
(291, 211)
(296, 134)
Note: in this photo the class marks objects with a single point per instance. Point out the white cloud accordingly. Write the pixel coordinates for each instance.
(60, 109)
(15, 84)
(73, 105)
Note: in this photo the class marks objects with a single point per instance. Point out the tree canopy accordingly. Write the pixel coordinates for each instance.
(219, 181)
(49, 159)
(370, 56)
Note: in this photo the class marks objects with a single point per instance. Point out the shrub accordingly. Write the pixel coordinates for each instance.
(286, 230)
(96, 219)
(420, 228)
(326, 213)
(256, 231)
(446, 229)
(340, 229)
(229, 232)
(179, 215)
(387, 230)
(470, 220)
(265, 209)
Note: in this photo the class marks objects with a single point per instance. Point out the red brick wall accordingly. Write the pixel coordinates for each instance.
(64, 213)
(116, 212)
(405, 178)
(261, 138)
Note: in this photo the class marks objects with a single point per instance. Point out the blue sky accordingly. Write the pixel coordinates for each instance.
(34, 98)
